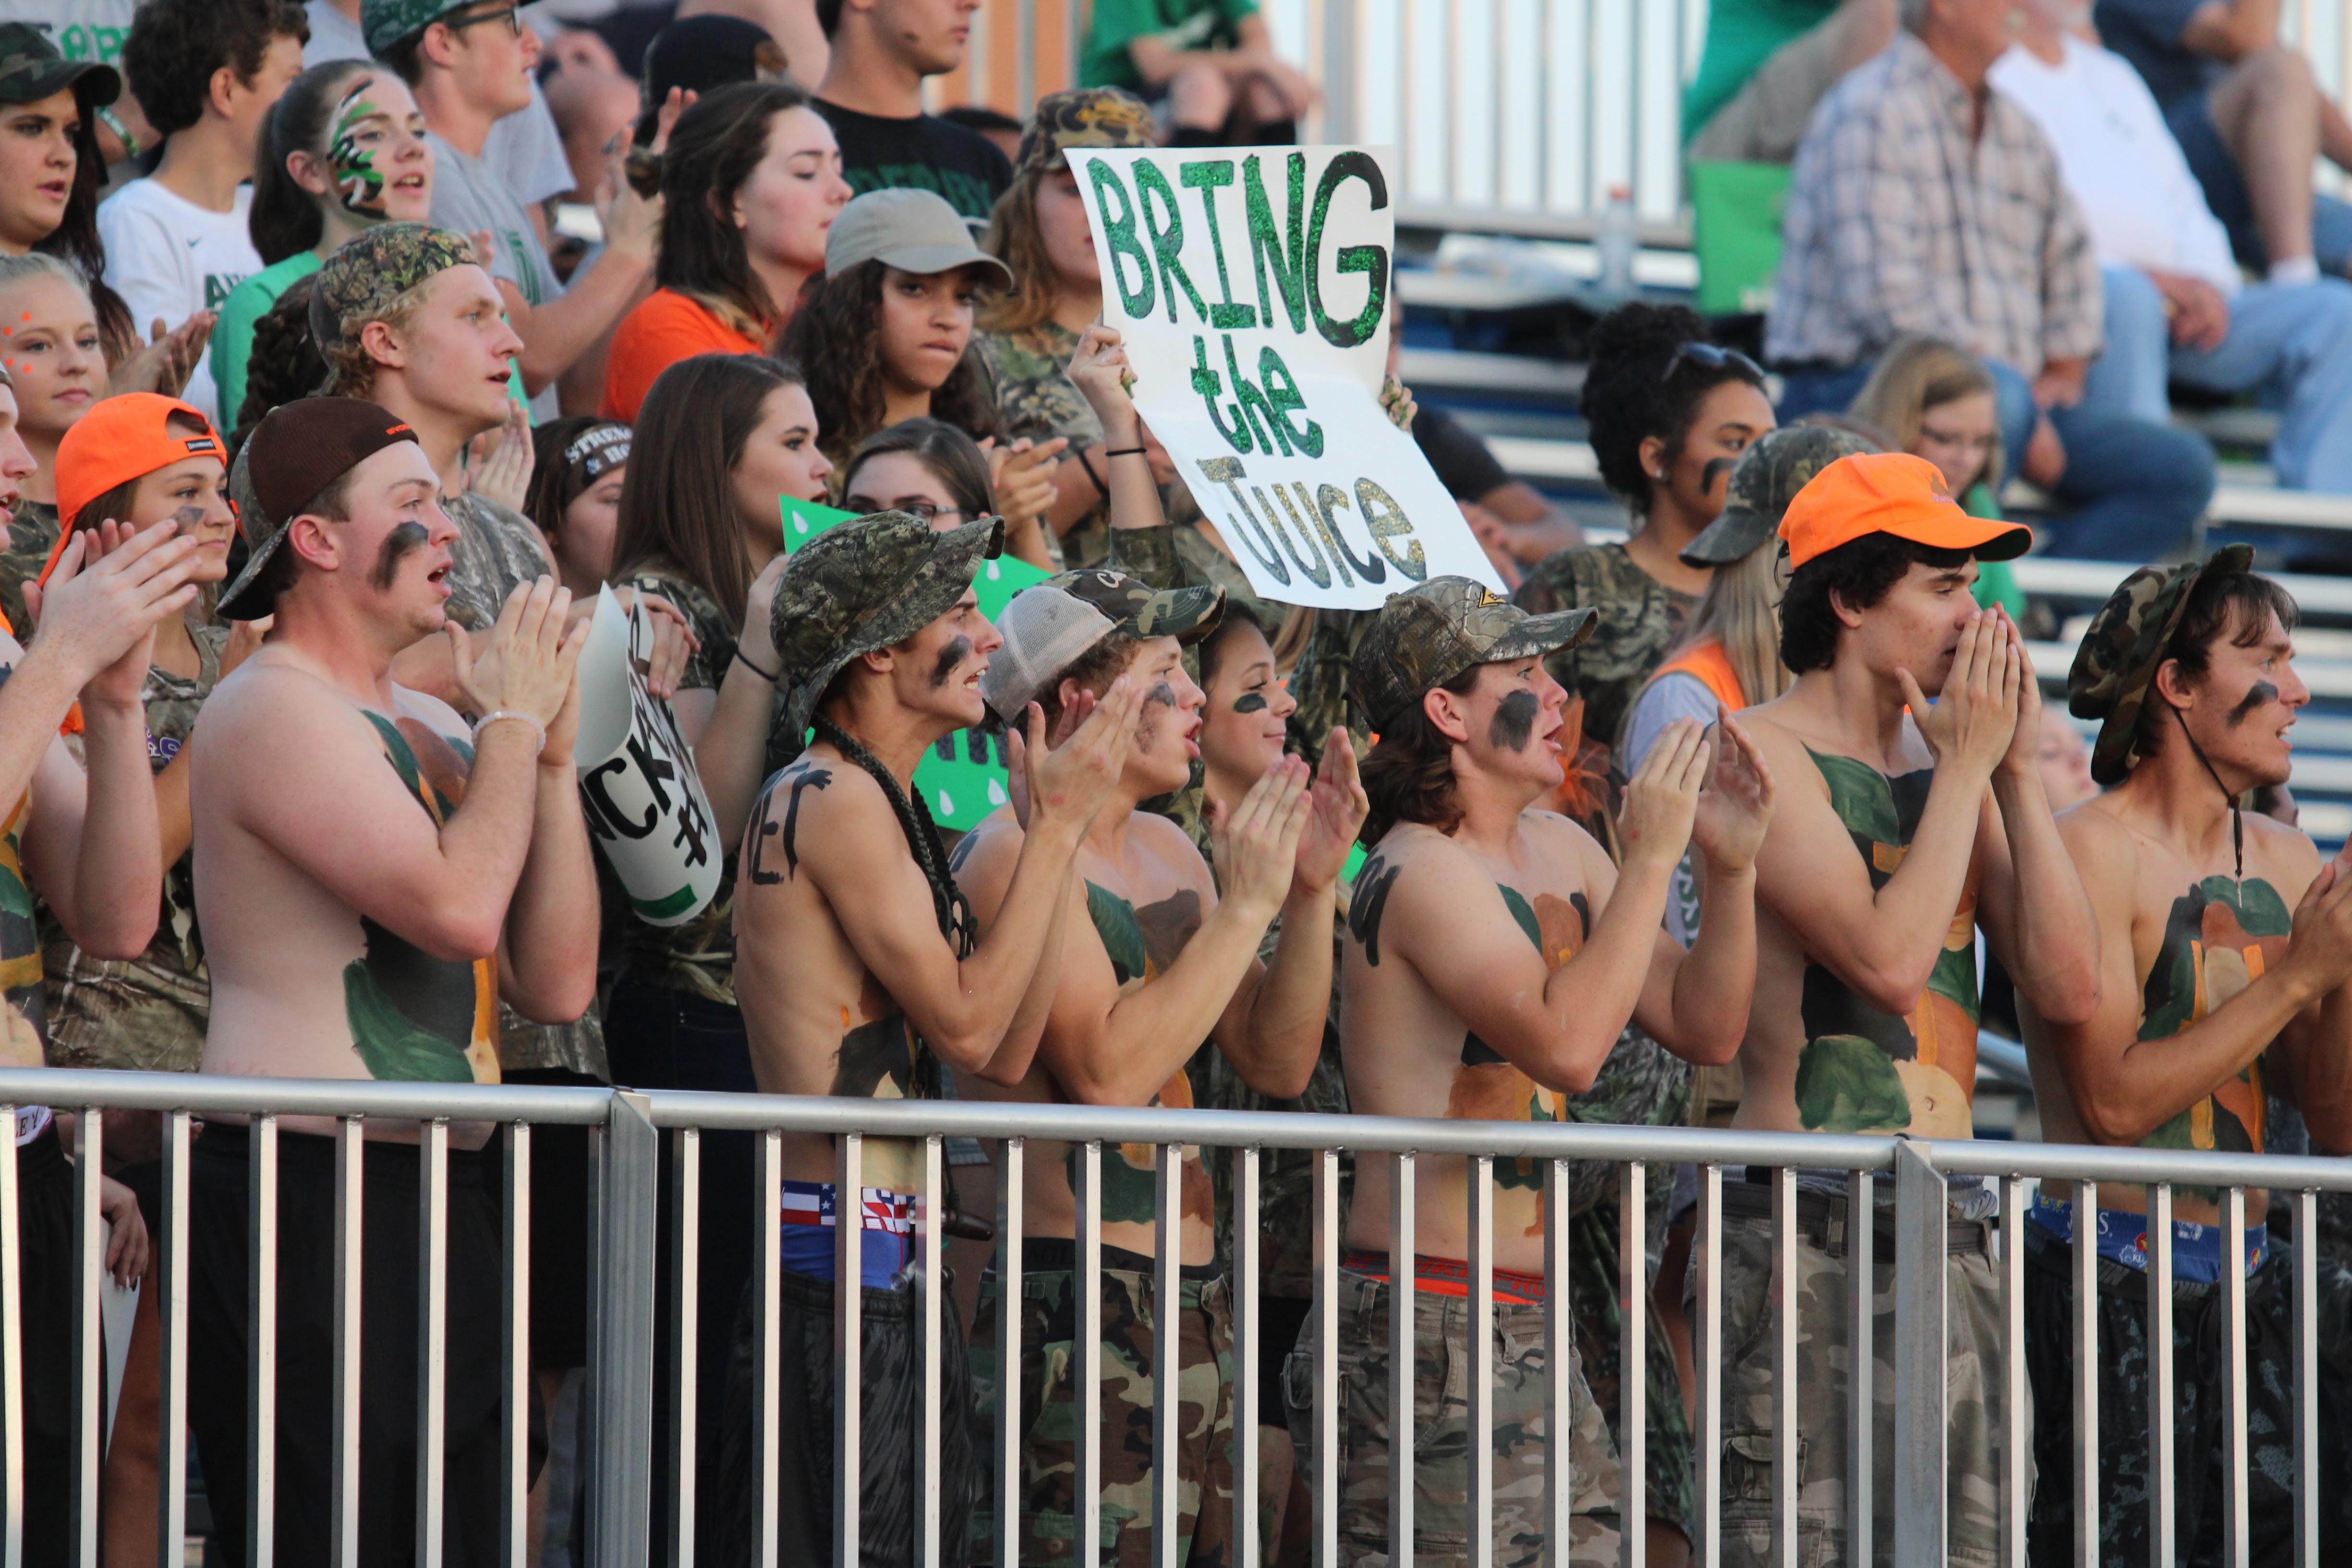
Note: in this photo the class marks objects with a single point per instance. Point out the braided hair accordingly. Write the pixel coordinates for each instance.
(1629, 396)
(952, 910)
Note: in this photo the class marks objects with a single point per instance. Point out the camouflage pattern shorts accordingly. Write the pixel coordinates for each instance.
(1048, 1413)
(1971, 1383)
(1517, 1364)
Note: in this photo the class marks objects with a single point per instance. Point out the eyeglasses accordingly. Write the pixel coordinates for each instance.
(508, 14)
(1965, 443)
(928, 511)
(1713, 356)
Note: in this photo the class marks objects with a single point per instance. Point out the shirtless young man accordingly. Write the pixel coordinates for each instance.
(2213, 997)
(86, 837)
(1494, 956)
(1154, 962)
(371, 879)
(1892, 841)
(858, 973)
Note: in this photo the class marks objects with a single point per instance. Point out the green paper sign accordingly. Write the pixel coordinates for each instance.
(963, 777)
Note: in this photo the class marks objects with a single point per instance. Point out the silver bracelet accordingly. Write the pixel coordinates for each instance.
(486, 720)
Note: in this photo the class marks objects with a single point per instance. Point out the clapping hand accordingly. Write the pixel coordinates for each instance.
(1736, 807)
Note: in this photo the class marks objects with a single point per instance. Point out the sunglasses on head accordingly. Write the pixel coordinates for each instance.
(1713, 356)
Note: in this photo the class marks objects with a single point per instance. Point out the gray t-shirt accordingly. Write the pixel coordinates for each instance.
(467, 194)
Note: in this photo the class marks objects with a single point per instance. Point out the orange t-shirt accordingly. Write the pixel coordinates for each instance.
(665, 328)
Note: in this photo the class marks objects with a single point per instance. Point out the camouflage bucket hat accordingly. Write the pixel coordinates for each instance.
(31, 69)
(1426, 636)
(1050, 625)
(1083, 117)
(376, 266)
(862, 586)
(2127, 640)
(1768, 476)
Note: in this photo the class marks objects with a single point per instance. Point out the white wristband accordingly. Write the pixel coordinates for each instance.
(486, 720)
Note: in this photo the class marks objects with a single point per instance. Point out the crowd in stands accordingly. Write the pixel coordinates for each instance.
(351, 350)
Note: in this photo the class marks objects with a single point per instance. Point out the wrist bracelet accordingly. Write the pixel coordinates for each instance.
(754, 668)
(113, 121)
(1127, 452)
(1092, 477)
(495, 714)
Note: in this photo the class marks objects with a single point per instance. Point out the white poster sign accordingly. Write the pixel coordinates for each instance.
(1251, 287)
(638, 786)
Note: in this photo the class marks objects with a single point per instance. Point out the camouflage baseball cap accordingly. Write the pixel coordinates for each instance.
(31, 69)
(1768, 476)
(1428, 635)
(861, 587)
(385, 23)
(1083, 117)
(376, 266)
(2127, 640)
(1050, 625)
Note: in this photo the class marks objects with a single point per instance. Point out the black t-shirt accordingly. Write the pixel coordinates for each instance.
(925, 153)
(2147, 33)
(1465, 465)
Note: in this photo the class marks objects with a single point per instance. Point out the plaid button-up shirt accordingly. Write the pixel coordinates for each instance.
(1900, 220)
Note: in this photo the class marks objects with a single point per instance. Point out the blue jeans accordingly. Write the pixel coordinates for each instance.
(2293, 342)
(2135, 488)
(2216, 169)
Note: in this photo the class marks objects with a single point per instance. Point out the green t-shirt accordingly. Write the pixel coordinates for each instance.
(233, 333)
(1740, 36)
(1185, 25)
(1996, 580)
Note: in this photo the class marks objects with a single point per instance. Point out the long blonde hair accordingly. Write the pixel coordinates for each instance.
(1013, 238)
(1742, 611)
(1919, 373)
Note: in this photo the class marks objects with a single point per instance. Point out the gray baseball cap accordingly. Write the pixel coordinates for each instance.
(1048, 625)
(912, 230)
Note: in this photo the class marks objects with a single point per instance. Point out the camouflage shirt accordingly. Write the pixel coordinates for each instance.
(145, 1013)
(1640, 616)
(32, 534)
(1036, 398)
(497, 548)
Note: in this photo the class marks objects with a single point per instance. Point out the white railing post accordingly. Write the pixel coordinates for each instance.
(620, 1494)
(1921, 1423)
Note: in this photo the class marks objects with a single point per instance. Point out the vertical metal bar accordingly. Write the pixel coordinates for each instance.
(1479, 1373)
(1009, 1217)
(2161, 1527)
(621, 1489)
(2236, 1517)
(431, 1336)
(12, 1351)
(1706, 1348)
(1077, 42)
(343, 1464)
(2306, 1379)
(262, 1349)
(1404, 1247)
(2016, 1398)
(1559, 1388)
(1248, 1228)
(1862, 1362)
(767, 1307)
(1922, 1425)
(686, 1353)
(1024, 77)
(1498, 104)
(929, 1544)
(848, 1345)
(1326, 1358)
(1634, 1357)
(1167, 1259)
(514, 1336)
(1087, 1439)
(1784, 1367)
(1408, 144)
(172, 1307)
(2086, 1374)
(89, 1374)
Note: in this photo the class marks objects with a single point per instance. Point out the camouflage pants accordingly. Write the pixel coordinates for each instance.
(1671, 1483)
(1048, 1412)
(1971, 1381)
(2198, 1410)
(1516, 1365)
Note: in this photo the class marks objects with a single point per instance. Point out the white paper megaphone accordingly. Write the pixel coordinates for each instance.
(638, 787)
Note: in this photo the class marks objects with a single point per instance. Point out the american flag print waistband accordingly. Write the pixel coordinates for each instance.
(817, 1203)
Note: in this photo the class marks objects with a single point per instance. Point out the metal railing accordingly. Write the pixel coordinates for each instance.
(619, 1417)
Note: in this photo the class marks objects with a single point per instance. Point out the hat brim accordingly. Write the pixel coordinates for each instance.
(1188, 615)
(926, 259)
(1987, 539)
(103, 83)
(1734, 534)
(2111, 751)
(960, 550)
(237, 601)
(1539, 635)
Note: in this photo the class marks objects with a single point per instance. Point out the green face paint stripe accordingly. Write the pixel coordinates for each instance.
(358, 185)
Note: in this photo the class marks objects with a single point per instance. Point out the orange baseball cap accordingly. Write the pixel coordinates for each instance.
(1890, 492)
(123, 438)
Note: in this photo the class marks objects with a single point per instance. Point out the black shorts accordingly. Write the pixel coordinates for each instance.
(218, 1318)
(889, 1463)
(559, 1232)
(45, 1254)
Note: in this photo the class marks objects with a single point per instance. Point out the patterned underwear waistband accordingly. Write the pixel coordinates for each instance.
(810, 1212)
(2123, 1238)
(1448, 1277)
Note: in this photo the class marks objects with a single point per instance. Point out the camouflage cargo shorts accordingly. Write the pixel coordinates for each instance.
(1971, 1381)
(1204, 1493)
(1517, 1364)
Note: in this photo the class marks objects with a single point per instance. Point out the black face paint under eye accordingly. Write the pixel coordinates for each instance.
(1164, 694)
(958, 649)
(1250, 702)
(1716, 469)
(188, 518)
(2259, 693)
(397, 546)
(1513, 722)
